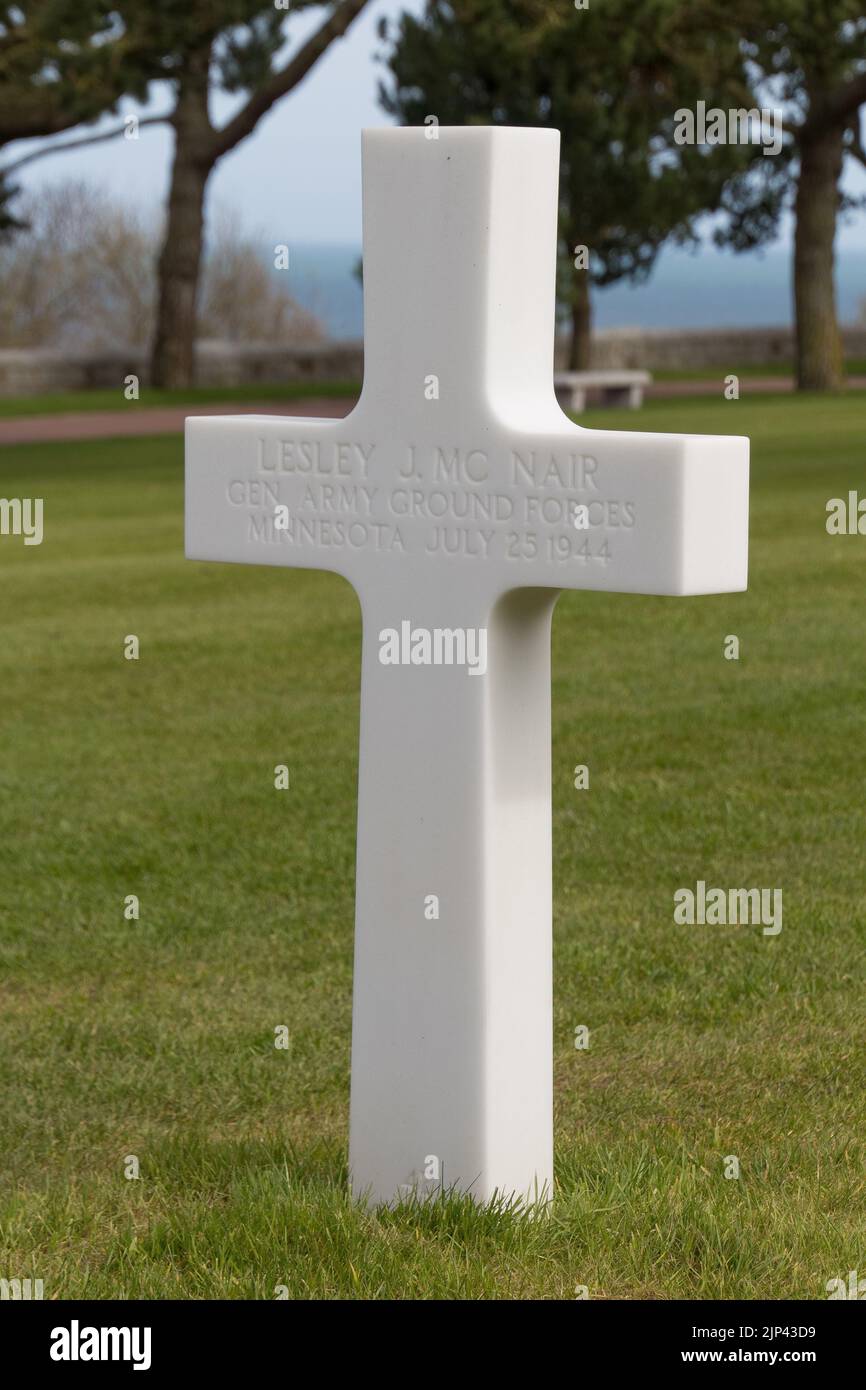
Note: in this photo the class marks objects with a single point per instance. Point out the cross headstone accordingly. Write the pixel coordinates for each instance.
(459, 501)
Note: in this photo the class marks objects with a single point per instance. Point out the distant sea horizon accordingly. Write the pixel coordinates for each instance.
(708, 289)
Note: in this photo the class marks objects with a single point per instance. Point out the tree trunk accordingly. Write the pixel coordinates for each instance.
(581, 324)
(173, 356)
(819, 344)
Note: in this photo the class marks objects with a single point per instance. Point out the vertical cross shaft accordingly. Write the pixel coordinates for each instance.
(451, 1042)
(452, 1032)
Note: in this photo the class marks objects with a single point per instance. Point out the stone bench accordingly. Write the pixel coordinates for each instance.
(615, 387)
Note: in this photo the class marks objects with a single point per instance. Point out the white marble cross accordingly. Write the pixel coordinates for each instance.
(459, 500)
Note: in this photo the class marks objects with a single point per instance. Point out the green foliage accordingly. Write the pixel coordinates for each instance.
(805, 50)
(244, 37)
(66, 62)
(63, 62)
(805, 59)
(610, 78)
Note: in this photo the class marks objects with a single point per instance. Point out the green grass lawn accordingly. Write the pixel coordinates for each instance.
(155, 1038)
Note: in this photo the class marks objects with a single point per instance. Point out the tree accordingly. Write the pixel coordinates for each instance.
(611, 79)
(810, 60)
(62, 62)
(202, 46)
(233, 45)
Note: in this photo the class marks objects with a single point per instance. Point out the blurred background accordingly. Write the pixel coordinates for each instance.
(181, 194)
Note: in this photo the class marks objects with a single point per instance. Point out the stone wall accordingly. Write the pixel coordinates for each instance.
(36, 371)
(677, 348)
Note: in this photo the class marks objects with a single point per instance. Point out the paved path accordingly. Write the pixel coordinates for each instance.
(144, 420)
(168, 419)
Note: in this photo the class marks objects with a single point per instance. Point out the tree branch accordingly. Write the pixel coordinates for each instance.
(76, 144)
(839, 105)
(856, 145)
(288, 77)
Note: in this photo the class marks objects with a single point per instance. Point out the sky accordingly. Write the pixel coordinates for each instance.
(297, 178)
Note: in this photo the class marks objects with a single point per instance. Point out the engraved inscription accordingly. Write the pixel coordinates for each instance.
(522, 505)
